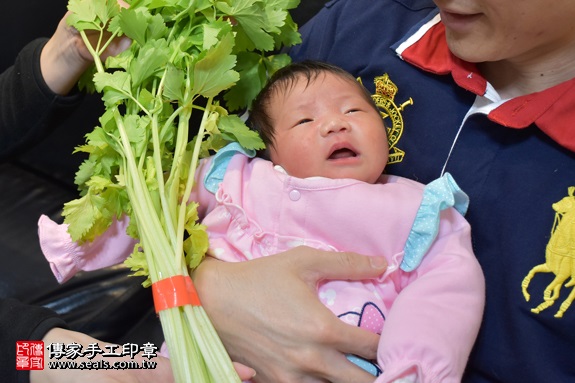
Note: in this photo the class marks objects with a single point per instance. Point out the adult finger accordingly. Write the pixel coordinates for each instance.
(316, 265)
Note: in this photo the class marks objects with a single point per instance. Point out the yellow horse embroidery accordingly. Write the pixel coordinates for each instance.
(559, 257)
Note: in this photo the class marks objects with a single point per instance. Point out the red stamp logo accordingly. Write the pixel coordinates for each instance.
(29, 355)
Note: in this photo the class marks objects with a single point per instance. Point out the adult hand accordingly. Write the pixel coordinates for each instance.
(269, 317)
(65, 56)
(162, 372)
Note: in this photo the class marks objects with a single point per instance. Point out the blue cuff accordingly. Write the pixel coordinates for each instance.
(215, 174)
(368, 366)
(438, 195)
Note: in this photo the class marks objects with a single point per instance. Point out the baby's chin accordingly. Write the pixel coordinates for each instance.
(343, 174)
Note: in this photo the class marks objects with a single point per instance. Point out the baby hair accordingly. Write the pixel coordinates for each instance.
(283, 80)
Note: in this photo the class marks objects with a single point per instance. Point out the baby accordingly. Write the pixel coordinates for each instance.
(323, 186)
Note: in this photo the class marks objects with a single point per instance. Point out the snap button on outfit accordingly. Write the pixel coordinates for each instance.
(294, 195)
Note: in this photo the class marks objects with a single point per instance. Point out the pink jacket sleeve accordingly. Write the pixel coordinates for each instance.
(67, 257)
(447, 291)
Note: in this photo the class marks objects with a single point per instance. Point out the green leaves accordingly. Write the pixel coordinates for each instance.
(82, 214)
(91, 14)
(234, 129)
(134, 24)
(182, 54)
(174, 84)
(117, 85)
(253, 24)
(257, 21)
(214, 71)
(150, 62)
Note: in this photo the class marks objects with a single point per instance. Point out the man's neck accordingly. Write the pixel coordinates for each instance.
(521, 76)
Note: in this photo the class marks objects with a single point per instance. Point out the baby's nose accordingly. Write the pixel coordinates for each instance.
(334, 125)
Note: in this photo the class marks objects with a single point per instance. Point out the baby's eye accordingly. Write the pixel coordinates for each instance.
(304, 121)
(352, 110)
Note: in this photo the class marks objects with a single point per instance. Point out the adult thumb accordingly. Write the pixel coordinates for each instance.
(323, 265)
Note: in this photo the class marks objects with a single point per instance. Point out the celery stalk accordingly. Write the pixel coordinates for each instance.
(184, 57)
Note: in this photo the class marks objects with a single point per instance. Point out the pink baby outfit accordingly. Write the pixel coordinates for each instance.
(428, 318)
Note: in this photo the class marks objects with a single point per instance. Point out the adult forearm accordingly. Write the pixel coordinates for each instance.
(18, 322)
(29, 109)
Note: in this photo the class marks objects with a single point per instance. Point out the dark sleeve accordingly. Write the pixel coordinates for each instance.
(19, 321)
(29, 110)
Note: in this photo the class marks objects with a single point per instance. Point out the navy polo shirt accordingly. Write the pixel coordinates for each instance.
(516, 162)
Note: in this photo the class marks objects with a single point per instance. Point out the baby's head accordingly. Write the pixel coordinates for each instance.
(317, 120)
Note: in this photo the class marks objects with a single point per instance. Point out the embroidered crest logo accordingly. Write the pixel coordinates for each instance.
(559, 257)
(384, 98)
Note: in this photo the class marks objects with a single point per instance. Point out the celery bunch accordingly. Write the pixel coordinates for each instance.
(205, 56)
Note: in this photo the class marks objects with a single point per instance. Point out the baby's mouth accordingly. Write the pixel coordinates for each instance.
(342, 153)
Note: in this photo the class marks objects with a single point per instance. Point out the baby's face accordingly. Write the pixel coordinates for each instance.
(328, 128)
